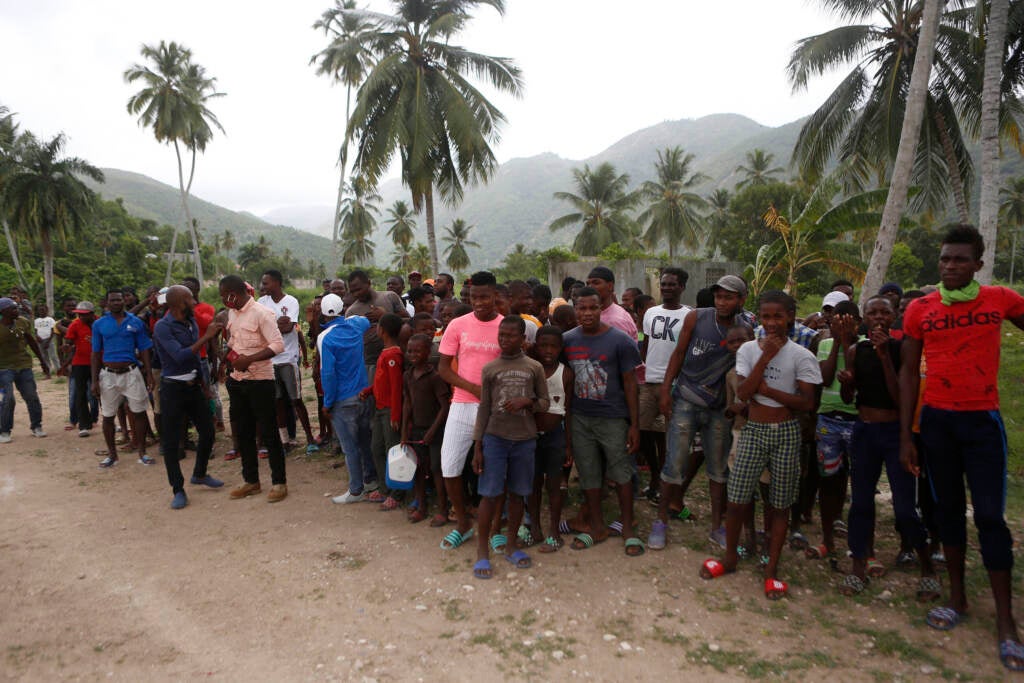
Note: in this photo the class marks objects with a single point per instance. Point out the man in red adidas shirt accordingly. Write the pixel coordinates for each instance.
(959, 328)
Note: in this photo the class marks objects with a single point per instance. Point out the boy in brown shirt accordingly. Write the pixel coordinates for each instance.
(513, 388)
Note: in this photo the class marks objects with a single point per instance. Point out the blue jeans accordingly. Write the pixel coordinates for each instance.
(26, 383)
(716, 435)
(351, 421)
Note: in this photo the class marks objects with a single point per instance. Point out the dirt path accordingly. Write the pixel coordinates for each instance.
(99, 579)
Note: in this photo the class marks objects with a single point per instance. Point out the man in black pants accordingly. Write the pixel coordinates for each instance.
(183, 390)
(253, 339)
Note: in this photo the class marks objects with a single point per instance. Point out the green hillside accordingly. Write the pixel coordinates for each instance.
(150, 199)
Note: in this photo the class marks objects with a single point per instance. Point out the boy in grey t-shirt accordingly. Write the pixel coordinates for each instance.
(778, 377)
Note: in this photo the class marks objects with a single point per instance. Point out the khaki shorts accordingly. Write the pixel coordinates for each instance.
(126, 385)
(651, 419)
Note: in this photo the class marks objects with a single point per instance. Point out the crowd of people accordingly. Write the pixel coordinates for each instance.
(495, 400)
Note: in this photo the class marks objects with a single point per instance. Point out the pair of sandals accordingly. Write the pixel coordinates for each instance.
(519, 559)
(774, 589)
(1011, 652)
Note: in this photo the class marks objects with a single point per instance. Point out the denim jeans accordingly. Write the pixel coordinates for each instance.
(26, 384)
(351, 421)
(688, 419)
(86, 406)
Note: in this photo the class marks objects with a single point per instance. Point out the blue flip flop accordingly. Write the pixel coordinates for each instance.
(454, 539)
(482, 566)
(944, 618)
(520, 559)
(1009, 650)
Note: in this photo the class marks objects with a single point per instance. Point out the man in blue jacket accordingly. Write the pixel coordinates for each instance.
(343, 376)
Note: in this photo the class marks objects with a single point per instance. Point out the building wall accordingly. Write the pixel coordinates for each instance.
(645, 274)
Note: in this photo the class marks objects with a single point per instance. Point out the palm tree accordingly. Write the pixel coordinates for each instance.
(9, 161)
(358, 221)
(227, 242)
(601, 205)
(903, 166)
(400, 257)
(758, 169)
(861, 120)
(1012, 211)
(672, 213)
(46, 200)
(457, 237)
(419, 258)
(807, 240)
(995, 50)
(174, 102)
(401, 224)
(254, 252)
(417, 100)
(345, 60)
(718, 217)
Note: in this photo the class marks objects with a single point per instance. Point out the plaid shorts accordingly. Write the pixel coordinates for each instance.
(774, 445)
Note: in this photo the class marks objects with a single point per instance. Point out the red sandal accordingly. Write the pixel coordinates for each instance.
(775, 589)
(711, 569)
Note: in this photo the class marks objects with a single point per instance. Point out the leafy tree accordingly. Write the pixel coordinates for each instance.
(9, 160)
(904, 266)
(672, 213)
(417, 100)
(601, 206)
(419, 259)
(228, 241)
(254, 252)
(758, 170)
(521, 264)
(358, 221)
(1011, 210)
(401, 224)
(46, 200)
(456, 236)
(345, 60)
(742, 233)
(806, 240)
(173, 102)
(995, 50)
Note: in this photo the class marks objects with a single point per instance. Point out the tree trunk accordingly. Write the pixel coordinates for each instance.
(14, 255)
(428, 209)
(995, 44)
(342, 161)
(48, 268)
(896, 203)
(1013, 253)
(191, 224)
(956, 182)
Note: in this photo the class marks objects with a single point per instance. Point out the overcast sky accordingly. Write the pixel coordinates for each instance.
(595, 70)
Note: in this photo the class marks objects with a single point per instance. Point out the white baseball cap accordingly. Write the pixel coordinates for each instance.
(833, 298)
(332, 305)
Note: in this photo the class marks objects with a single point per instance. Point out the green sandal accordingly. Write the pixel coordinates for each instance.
(636, 543)
(550, 545)
(498, 543)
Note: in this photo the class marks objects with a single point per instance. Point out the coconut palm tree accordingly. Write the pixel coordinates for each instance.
(417, 101)
(758, 170)
(861, 120)
(345, 60)
(254, 252)
(457, 237)
(672, 214)
(419, 258)
(903, 166)
(601, 206)
(173, 102)
(9, 161)
(718, 216)
(1011, 210)
(995, 50)
(358, 221)
(401, 224)
(46, 200)
(227, 242)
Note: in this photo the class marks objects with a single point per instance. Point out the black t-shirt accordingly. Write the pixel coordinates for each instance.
(872, 391)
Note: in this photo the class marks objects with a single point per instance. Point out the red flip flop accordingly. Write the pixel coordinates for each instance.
(711, 569)
(775, 589)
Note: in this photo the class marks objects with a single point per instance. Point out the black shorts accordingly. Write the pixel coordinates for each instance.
(550, 453)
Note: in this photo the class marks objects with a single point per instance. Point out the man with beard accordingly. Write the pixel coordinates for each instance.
(184, 389)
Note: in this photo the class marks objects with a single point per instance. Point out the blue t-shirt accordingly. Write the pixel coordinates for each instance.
(119, 342)
(342, 368)
(599, 361)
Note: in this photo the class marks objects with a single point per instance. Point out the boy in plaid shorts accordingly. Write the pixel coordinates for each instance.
(778, 377)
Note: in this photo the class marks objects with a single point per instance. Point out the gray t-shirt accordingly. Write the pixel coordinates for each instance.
(793, 363)
(598, 362)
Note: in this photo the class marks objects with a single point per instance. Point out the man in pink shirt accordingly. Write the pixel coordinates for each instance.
(602, 279)
(471, 341)
(253, 340)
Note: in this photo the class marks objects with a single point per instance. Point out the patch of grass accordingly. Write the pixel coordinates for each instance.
(889, 642)
(344, 561)
(39, 453)
(670, 638)
(528, 618)
(618, 627)
(762, 668)
(453, 610)
(447, 635)
(722, 660)
(488, 638)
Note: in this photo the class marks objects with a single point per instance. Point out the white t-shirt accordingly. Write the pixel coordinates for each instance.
(662, 329)
(289, 306)
(793, 363)
(44, 327)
